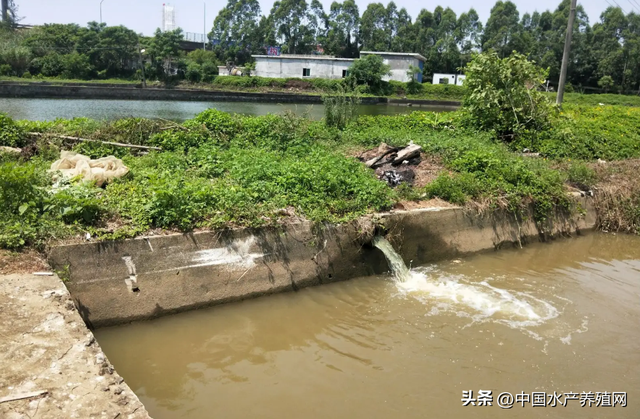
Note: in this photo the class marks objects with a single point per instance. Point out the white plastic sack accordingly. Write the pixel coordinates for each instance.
(101, 170)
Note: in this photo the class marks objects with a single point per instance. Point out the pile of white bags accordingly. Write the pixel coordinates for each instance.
(101, 170)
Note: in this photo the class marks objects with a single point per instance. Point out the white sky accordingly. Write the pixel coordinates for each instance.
(145, 15)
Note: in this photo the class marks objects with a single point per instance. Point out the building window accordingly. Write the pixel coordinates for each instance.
(345, 73)
(306, 72)
(443, 80)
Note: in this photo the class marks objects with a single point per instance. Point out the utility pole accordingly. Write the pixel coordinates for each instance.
(565, 54)
(5, 11)
(144, 79)
(204, 28)
(101, 12)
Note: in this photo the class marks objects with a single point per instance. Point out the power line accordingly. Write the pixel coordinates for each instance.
(636, 3)
(632, 6)
(619, 6)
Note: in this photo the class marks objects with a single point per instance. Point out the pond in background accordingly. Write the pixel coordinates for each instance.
(50, 109)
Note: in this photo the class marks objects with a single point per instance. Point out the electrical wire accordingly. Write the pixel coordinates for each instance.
(619, 6)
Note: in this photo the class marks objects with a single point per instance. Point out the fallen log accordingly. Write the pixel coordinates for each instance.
(66, 137)
(407, 153)
(371, 163)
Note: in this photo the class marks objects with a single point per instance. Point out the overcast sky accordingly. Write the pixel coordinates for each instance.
(145, 15)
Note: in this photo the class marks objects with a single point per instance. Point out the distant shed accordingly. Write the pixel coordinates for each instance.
(400, 63)
(441, 78)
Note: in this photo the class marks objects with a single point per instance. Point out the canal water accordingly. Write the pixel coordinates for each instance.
(50, 109)
(562, 317)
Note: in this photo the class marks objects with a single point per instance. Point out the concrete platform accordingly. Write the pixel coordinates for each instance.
(52, 366)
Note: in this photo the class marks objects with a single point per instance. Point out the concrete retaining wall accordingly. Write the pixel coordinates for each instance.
(128, 93)
(116, 282)
(133, 92)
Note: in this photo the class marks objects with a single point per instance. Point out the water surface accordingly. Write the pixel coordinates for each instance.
(50, 109)
(561, 317)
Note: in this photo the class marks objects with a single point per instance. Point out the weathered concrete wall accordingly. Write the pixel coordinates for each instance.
(114, 282)
(46, 348)
(399, 64)
(127, 93)
(286, 66)
(77, 91)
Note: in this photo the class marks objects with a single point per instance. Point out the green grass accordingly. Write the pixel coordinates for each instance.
(222, 170)
(589, 133)
(596, 99)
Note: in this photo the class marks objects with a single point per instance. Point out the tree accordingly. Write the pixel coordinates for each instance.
(608, 43)
(49, 38)
(194, 72)
(438, 35)
(16, 56)
(606, 83)
(319, 22)
(368, 71)
(468, 32)
(207, 63)
(294, 25)
(502, 29)
(235, 31)
(502, 95)
(76, 66)
(116, 47)
(631, 52)
(342, 34)
(373, 28)
(165, 50)
(9, 15)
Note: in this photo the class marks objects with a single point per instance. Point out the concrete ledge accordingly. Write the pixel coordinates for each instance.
(52, 366)
(123, 281)
(36, 90)
(47, 90)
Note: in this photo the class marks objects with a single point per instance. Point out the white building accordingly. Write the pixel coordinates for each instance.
(328, 67)
(400, 63)
(440, 78)
(301, 66)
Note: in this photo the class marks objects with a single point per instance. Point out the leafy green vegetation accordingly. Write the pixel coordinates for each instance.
(340, 108)
(11, 135)
(368, 72)
(221, 170)
(502, 96)
(590, 132)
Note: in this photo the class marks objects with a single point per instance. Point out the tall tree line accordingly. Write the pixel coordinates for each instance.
(610, 48)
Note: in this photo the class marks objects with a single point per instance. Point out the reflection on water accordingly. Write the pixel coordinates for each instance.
(371, 347)
(50, 109)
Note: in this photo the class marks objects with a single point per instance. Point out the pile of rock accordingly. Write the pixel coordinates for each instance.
(395, 165)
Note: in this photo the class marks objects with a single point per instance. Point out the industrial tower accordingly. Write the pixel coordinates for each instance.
(168, 17)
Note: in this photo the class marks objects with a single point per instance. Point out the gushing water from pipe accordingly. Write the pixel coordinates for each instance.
(396, 264)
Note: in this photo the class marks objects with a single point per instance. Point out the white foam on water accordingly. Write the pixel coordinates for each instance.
(479, 301)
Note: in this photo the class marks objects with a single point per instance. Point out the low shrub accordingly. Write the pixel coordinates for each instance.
(11, 134)
(340, 108)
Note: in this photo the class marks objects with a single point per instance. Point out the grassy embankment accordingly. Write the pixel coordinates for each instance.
(425, 91)
(222, 170)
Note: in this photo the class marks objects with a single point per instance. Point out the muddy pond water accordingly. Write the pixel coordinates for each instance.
(50, 109)
(559, 317)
